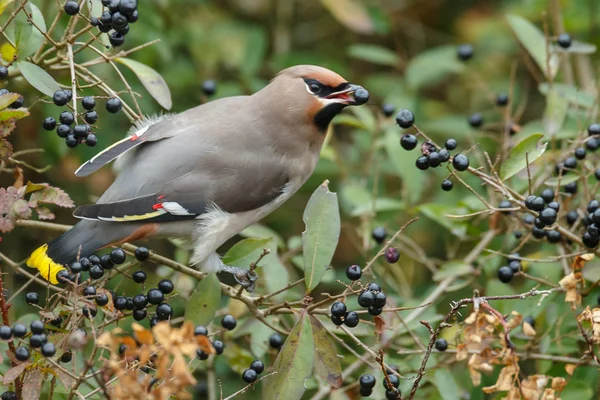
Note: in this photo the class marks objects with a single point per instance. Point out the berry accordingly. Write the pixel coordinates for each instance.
(374, 311)
(102, 299)
(391, 394)
(505, 274)
(373, 287)
(113, 105)
(447, 185)
(353, 272)
(380, 300)
(5, 332)
(89, 312)
(548, 216)
(49, 124)
(19, 102)
(129, 305)
(19, 330)
(91, 117)
(337, 321)
(554, 205)
(22, 353)
(71, 7)
(547, 195)
(366, 299)
(276, 341)
(66, 357)
(515, 266)
(460, 162)
(140, 301)
(120, 303)
(219, 346)
(571, 187)
(96, 272)
(538, 233)
(139, 314)
(118, 256)
(32, 298)
(62, 276)
(36, 341)
(63, 131)
(37, 326)
(142, 253)
(434, 159)
(592, 144)
(593, 129)
(580, 153)
(405, 119)
(570, 163)
(133, 17)
(528, 219)
(554, 236)
(91, 140)
(502, 99)
(249, 375)
(564, 40)
(408, 141)
(76, 267)
(593, 206)
(379, 234)
(365, 392)
(88, 103)
(118, 19)
(166, 286)
(258, 366)
(534, 203)
(338, 309)
(3, 72)
(209, 87)
(441, 344)
(66, 117)
(127, 6)
(572, 217)
(504, 204)
(388, 109)
(589, 240)
(450, 144)
(200, 330)
(139, 277)
(422, 163)
(155, 296)
(476, 120)
(10, 395)
(48, 350)
(71, 141)
(392, 255)
(351, 319)
(229, 322)
(393, 380)
(367, 381)
(464, 52)
(106, 261)
(89, 291)
(361, 96)
(201, 355)
(596, 216)
(164, 311)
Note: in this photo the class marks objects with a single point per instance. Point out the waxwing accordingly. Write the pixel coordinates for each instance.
(208, 172)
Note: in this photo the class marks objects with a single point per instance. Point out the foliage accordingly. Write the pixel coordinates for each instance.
(536, 337)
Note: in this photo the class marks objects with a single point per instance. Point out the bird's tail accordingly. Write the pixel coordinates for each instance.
(83, 239)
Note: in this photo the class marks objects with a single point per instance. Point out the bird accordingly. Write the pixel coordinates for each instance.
(207, 173)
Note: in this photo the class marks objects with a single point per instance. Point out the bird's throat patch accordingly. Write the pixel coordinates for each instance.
(324, 116)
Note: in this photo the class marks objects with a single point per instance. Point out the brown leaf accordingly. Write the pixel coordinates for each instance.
(379, 325)
(351, 13)
(528, 329)
(560, 383)
(580, 261)
(533, 387)
(570, 368)
(6, 128)
(142, 335)
(32, 385)
(569, 283)
(505, 380)
(6, 149)
(14, 373)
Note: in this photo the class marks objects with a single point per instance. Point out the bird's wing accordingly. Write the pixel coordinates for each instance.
(153, 129)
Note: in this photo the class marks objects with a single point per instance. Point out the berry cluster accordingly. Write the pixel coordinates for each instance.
(218, 345)
(372, 299)
(367, 382)
(340, 315)
(38, 339)
(116, 19)
(547, 214)
(506, 272)
(591, 236)
(256, 368)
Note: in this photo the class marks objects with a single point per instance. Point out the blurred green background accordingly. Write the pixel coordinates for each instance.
(403, 52)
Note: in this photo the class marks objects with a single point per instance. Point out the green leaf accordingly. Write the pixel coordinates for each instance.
(327, 363)
(38, 78)
(351, 13)
(36, 38)
(555, 112)
(262, 232)
(374, 54)
(452, 269)
(572, 94)
(534, 42)
(382, 204)
(7, 99)
(404, 166)
(241, 253)
(204, 301)
(577, 390)
(562, 180)
(293, 365)
(432, 67)
(13, 113)
(446, 384)
(320, 238)
(152, 81)
(438, 213)
(517, 159)
(578, 47)
(21, 32)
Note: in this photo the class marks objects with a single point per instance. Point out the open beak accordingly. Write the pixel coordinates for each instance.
(352, 95)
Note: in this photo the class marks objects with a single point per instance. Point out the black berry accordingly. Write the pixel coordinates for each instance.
(139, 277)
(114, 105)
(502, 99)
(408, 141)
(564, 40)
(140, 301)
(66, 117)
(548, 216)
(460, 162)
(155, 296)
(139, 314)
(276, 341)
(580, 153)
(164, 311)
(249, 375)
(118, 256)
(96, 272)
(229, 322)
(465, 52)
(366, 299)
(218, 346)
(338, 309)
(447, 185)
(22, 353)
(422, 163)
(71, 7)
(120, 303)
(88, 103)
(209, 87)
(32, 298)
(5, 332)
(351, 319)
(547, 195)
(379, 234)
(353, 272)
(102, 299)
(441, 344)
(166, 286)
(200, 330)
(3, 72)
(37, 326)
(388, 109)
(392, 255)
(142, 253)
(258, 366)
(19, 330)
(91, 117)
(48, 350)
(594, 129)
(476, 120)
(505, 274)
(405, 119)
(89, 291)
(49, 124)
(367, 381)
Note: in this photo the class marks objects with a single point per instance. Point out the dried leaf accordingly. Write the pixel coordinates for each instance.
(533, 387)
(142, 335)
(6, 149)
(14, 373)
(559, 383)
(592, 316)
(44, 213)
(569, 283)
(580, 261)
(504, 382)
(52, 195)
(528, 329)
(570, 368)
(6, 128)
(351, 13)
(8, 197)
(32, 385)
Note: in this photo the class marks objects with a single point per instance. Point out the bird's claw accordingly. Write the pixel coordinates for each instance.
(244, 277)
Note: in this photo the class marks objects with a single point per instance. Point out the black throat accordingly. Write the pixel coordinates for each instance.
(326, 114)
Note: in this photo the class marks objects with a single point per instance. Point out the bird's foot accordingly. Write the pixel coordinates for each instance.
(244, 277)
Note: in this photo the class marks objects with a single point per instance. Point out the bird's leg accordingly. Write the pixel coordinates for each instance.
(244, 277)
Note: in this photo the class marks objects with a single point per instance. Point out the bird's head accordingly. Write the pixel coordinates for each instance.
(319, 93)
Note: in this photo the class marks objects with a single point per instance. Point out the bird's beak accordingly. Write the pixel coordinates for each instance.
(349, 96)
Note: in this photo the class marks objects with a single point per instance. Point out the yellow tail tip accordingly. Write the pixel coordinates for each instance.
(48, 269)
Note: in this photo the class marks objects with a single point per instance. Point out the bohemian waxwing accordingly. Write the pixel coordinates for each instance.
(208, 172)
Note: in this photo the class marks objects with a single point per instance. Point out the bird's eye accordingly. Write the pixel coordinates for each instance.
(314, 88)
